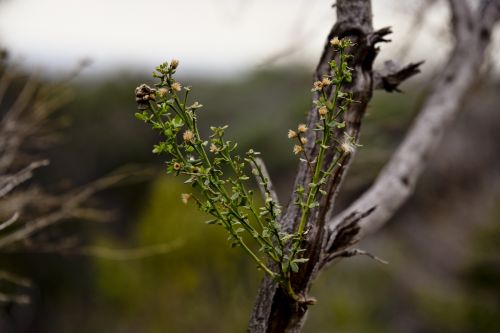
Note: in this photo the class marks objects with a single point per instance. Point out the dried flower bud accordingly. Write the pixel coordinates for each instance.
(335, 42)
(214, 149)
(317, 86)
(176, 86)
(174, 63)
(188, 136)
(347, 146)
(177, 166)
(292, 134)
(163, 92)
(303, 140)
(326, 82)
(302, 128)
(297, 149)
(185, 198)
(196, 105)
(323, 111)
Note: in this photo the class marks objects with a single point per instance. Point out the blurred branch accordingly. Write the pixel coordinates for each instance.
(8, 183)
(68, 208)
(17, 299)
(352, 253)
(393, 75)
(10, 221)
(15, 279)
(396, 182)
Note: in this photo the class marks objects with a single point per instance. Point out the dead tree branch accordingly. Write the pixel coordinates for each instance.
(396, 182)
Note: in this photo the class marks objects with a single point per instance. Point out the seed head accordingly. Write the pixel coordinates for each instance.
(303, 140)
(302, 128)
(214, 149)
(188, 136)
(335, 42)
(326, 82)
(323, 111)
(174, 63)
(317, 86)
(347, 145)
(292, 134)
(297, 149)
(176, 86)
(163, 92)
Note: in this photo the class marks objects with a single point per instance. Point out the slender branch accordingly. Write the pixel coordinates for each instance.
(15, 279)
(10, 221)
(8, 183)
(11, 298)
(268, 186)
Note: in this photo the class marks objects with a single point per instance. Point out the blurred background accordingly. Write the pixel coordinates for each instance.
(250, 63)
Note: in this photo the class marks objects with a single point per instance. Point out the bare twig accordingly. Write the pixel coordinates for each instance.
(10, 221)
(264, 188)
(351, 253)
(8, 183)
(17, 299)
(15, 279)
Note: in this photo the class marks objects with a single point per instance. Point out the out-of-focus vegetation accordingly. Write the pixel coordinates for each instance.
(442, 247)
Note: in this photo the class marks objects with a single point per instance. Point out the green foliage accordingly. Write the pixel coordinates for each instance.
(221, 176)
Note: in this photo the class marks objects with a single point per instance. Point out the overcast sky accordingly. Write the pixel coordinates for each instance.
(208, 36)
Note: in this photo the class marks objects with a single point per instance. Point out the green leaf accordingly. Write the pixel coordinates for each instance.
(314, 204)
(301, 260)
(141, 116)
(294, 267)
(177, 122)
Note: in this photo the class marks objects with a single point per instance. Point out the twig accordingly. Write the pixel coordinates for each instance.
(263, 188)
(351, 253)
(8, 183)
(17, 299)
(10, 221)
(15, 279)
